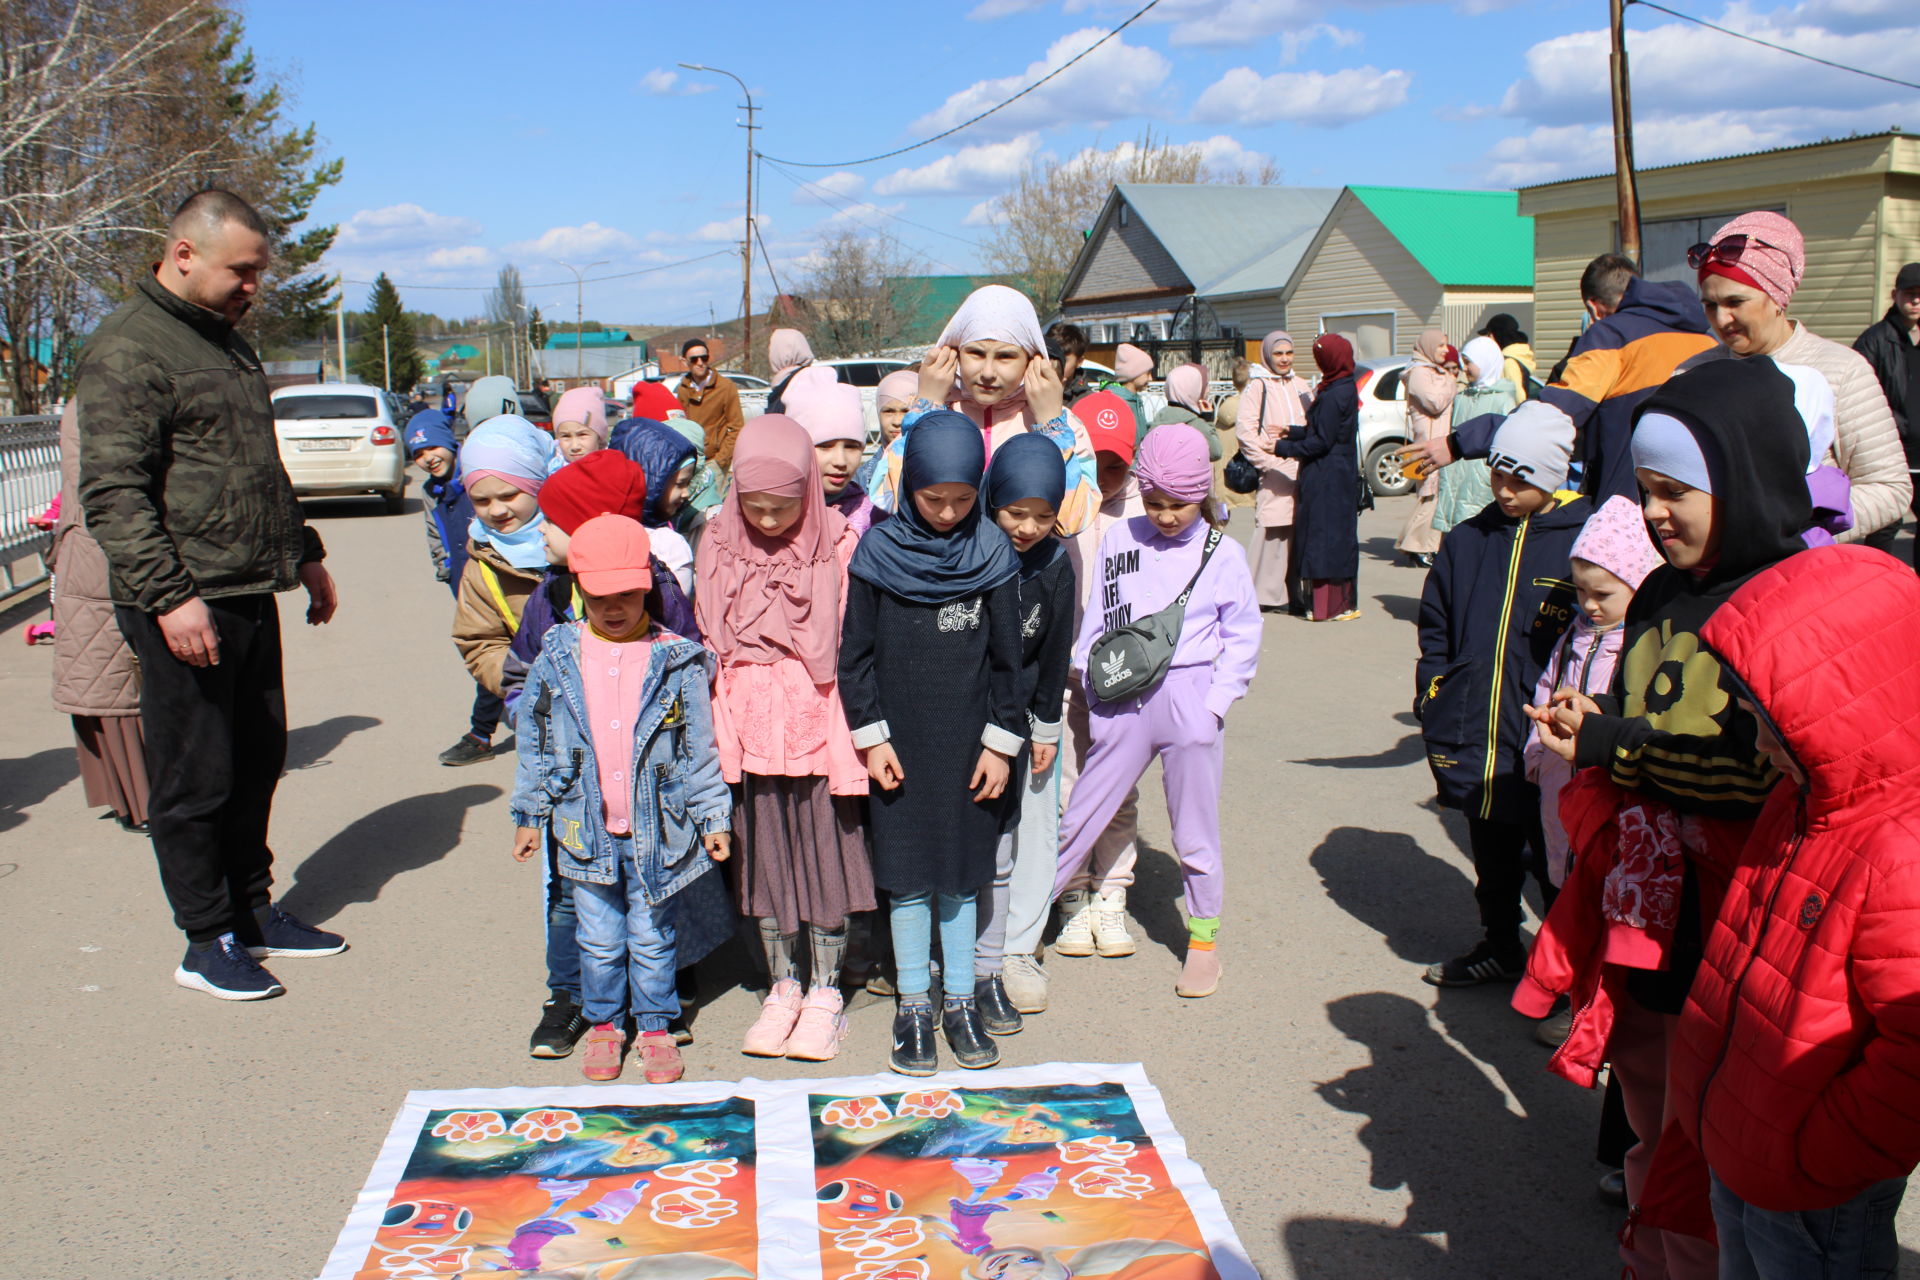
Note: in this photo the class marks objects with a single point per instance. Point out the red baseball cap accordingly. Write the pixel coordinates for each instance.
(1109, 422)
(610, 554)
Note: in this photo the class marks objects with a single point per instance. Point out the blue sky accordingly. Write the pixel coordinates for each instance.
(494, 132)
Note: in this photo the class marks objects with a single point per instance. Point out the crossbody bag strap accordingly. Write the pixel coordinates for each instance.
(499, 594)
(1206, 554)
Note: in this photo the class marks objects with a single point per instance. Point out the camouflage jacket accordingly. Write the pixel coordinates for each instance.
(180, 470)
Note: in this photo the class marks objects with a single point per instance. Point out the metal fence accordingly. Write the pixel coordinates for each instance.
(29, 479)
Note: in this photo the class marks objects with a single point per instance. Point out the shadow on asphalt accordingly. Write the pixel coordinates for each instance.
(1380, 549)
(396, 838)
(1399, 608)
(311, 744)
(27, 780)
(1408, 750)
(1420, 905)
(1157, 902)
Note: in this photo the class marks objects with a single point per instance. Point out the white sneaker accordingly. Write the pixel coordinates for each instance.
(1076, 924)
(1026, 984)
(1110, 936)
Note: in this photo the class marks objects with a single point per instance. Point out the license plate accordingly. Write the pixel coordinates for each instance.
(318, 446)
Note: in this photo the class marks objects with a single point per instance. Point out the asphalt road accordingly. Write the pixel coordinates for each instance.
(1359, 1124)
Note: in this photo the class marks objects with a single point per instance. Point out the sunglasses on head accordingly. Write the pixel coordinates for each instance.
(1727, 251)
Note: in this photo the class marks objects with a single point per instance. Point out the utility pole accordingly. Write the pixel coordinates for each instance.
(580, 316)
(489, 338)
(746, 243)
(340, 327)
(386, 359)
(1626, 192)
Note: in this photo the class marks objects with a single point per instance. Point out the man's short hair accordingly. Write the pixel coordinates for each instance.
(691, 343)
(207, 210)
(1070, 338)
(1606, 278)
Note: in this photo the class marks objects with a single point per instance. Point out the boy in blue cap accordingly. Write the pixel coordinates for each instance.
(432, 448)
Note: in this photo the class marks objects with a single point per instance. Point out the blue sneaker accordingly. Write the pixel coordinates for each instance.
(226, 971)
(287, 936)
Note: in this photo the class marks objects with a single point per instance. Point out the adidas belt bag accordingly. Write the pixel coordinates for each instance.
(1130, 661)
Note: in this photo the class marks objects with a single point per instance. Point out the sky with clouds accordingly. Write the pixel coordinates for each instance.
(566, 132)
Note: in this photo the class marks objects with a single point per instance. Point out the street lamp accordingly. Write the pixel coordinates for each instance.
(746, 244)
(579, 314)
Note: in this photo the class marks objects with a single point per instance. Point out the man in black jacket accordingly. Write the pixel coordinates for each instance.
(1892, 347)
(182, 485)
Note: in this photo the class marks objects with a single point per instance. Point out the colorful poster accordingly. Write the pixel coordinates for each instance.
(1030, 1173)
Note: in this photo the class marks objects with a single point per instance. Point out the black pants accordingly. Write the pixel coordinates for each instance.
(488, 707)
(1503, 854)
(216, 742)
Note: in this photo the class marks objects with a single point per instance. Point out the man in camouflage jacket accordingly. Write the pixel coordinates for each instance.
(182, 485)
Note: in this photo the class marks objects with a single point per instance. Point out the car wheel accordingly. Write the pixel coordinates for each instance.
(396, 502)
(1383, 471)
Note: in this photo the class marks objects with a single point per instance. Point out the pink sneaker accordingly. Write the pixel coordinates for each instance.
(659, 1057)
(821, 1028)
(606, 1046)
(767, 1037)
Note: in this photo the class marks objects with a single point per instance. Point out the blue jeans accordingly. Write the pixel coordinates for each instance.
(912, 919)
(563, 947)
(1855, 1239)
(626, 953)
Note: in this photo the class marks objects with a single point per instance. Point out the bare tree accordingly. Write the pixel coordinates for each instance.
(507, 309)
(1040, 224)
(863, 293)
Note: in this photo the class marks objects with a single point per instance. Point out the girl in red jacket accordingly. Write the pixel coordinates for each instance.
(1795, 1061)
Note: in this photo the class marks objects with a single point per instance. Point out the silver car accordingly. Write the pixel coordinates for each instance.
(340, 439)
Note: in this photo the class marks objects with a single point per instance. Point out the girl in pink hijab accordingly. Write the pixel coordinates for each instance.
(1430, 391)
(580, 423)
(1272, 408)
(1187, 403)
(772, 581)
(787, 354)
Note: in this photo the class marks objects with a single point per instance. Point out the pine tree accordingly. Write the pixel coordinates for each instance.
(536, 331)
(385, 355)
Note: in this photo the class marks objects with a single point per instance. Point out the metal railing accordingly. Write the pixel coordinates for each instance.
(29, 479)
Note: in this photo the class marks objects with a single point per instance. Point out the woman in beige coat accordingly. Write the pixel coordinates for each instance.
(95, 678)
(1429, 389)
(1273, 405)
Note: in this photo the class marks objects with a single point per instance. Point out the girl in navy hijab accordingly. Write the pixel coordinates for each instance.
(668, 459)
(930, 659)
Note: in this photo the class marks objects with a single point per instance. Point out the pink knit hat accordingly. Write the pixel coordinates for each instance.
(1173, 460)
(1773, 261)
(1615, 538)
(1129, 362)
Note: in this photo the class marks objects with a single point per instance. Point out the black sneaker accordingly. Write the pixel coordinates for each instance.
(226, 971)
(561, 1026)
(678, 1028)
(288, 937)
(972, 1047)
(469, 750)
(914, 1051)
(1485, 963)
(997, 1013)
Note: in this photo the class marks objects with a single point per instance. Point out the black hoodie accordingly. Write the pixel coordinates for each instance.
(1675, 733)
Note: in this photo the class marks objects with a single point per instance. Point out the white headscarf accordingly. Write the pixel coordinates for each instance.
(1485, 354)
(999, 313)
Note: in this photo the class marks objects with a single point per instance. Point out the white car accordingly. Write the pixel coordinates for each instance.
(339, 439)
(1383, 424)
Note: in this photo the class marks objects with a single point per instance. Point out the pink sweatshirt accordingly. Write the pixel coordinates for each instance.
(1139, 572)
(1583, 659)
(614, 676)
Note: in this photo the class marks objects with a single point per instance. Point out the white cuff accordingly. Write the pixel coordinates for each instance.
(871, 735)
(994, 738)
(1044, 731)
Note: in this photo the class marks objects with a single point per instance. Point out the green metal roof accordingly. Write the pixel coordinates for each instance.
(460, 351)
(1460, 237)
(593, 338)
(930, 301)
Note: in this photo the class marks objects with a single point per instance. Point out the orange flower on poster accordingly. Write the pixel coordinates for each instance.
(689, 1208)
(707, 1173)
(1098, 1149)
(933, 1104)
(1110, 1182)
(878, 1239)
(470, 1126)
(904, 1269)
(551, 1125)
(856, 1113)
(426, 1260)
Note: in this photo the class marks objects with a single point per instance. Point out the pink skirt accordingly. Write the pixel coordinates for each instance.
(113, 764)
(801, 856)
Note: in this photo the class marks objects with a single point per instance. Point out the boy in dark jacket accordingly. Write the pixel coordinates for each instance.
(1498, 597)
(432, 447)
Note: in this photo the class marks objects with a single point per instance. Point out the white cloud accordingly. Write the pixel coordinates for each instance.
(576, 242)
(971, 170)
(861, 215)
(1330, 99)
(988, 10)
(984, 214)
(662, 83)
(1223, 154)
(726, 229)
(1117, 81)
(461, 259)
(843, 184)
(403, 226)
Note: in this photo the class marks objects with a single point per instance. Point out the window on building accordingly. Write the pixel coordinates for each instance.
(1664, 243)
(1370, 332)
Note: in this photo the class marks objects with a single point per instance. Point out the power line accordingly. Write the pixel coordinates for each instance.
(1768, 44)
(551, 284)
(900, 151)
(850, 210)
(768, 259)
(829, 196)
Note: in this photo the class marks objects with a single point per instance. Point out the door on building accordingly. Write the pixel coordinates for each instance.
(1370, 332)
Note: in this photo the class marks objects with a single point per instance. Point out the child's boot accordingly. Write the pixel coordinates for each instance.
(914, 1052)
(972, 1047)
(606, 1046)
(997, 1013)
(1076, 924)
(821, 1027)
(1110, 936)
(767, 1037)
(1200, 975)
(659, 1057)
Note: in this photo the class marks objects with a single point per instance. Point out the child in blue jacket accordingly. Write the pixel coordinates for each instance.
(432, 448)
(618, 763)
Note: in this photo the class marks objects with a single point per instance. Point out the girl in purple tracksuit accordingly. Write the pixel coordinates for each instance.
(1143, 565)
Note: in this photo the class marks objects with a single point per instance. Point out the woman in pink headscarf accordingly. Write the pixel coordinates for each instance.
(787, 354)
(1748, 274)
(1187, 402)
(1430, 391)
(1272, 408)
(772, 581)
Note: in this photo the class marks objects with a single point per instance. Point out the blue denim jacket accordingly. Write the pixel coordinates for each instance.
(678, 793)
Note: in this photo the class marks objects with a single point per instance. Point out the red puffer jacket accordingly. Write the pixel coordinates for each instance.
(1796, 1070)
